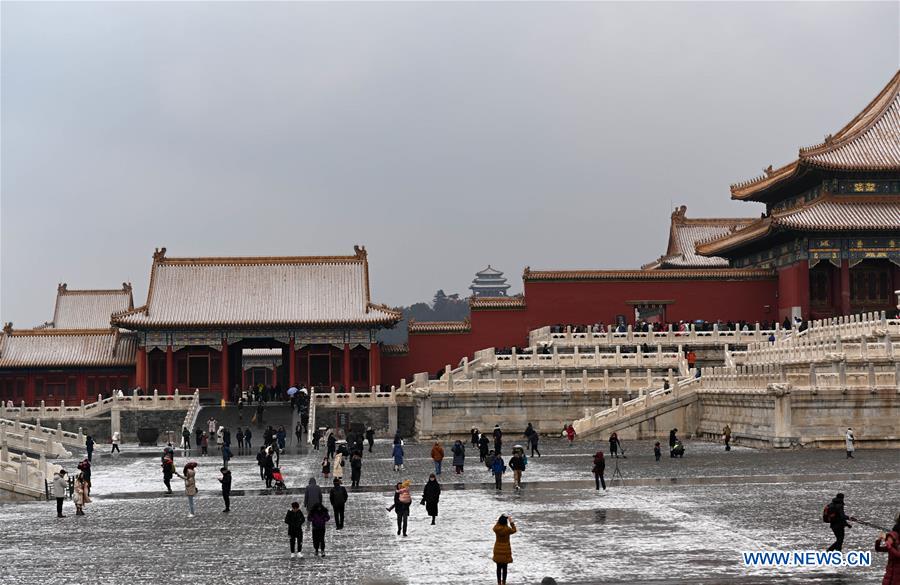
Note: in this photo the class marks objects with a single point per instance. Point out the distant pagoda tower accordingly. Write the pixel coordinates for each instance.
(489, 283)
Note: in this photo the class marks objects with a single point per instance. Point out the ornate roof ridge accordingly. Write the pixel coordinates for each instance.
(672, 274)
(866, 119)
(515, 301)
(439, 326)
(60, 332)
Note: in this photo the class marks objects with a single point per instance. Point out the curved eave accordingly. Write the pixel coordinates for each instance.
(752, 232)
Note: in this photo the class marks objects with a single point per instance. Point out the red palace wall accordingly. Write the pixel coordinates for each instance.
(793, 289)
(584, 302)
(73, 386)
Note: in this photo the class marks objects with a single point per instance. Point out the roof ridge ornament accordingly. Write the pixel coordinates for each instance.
(61, 287)
(679, 214)
(360, 252)
(768, 171)
(8, 328)
(159, 254)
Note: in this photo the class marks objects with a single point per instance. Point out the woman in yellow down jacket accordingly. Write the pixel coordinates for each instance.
(502, 550)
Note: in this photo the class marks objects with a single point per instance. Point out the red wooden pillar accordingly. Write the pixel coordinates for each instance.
(224, 376)
(346, 367)
(292, 363)
(170, 370)
(803, 289)
(845, 287)
(140, 368)
(374, 364)
(30, 398)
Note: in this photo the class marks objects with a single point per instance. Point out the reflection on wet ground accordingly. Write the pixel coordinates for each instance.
(684, 532)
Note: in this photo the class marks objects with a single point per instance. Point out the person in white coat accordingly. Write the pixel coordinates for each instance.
(58, 491)
(116, 437)
(849, 439)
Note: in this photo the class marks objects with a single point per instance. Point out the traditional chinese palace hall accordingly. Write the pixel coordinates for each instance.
(821, 238)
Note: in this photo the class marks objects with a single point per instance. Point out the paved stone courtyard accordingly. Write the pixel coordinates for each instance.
(691, 531)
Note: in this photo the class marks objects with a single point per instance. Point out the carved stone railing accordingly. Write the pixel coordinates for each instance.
(101, 407)
(580, 358)
(496, 380)
(36, 431)
(23, 475)
(670, 336)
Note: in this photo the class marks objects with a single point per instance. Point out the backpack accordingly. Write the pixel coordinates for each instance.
(828, 515)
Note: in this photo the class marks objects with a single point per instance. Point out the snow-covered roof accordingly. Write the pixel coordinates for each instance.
(258, 291)
(88, 309)
(66, 348)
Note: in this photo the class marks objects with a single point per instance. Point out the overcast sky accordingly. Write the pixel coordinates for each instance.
(442, 136)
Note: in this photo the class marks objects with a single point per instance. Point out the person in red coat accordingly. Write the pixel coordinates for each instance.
(890, 543)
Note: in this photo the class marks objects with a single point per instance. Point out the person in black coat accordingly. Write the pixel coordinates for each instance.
(225, 480)
(338, 498)
(261, 462)
(268, 466)
(295, 520)
(673, 438)
(355, 469)
(89, 447)
(838, 521)
(483, 447)
(370, 438)
(430, 497)
(332, 444)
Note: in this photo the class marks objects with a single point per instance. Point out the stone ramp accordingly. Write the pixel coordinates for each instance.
(275, 414)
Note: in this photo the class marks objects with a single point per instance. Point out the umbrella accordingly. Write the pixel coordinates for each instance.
(292, 390)
(304, 391)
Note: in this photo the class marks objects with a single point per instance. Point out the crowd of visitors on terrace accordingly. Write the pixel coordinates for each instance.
(680, 326)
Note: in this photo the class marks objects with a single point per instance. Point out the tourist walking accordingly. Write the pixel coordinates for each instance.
(116, 437)
(498, 468)
(475, 435)
(211, 426)
(168, 471)
(89, 447)
(570, 434)
(726, 436)
(431, 495)
(318, 517)
(261, 462)
(225, 480)
(226, 437)
(837, 519)
(298, 432)
(85, 468)
(370, 437)
(58, 490)
(355, 468)
(204, 444)
(850, 442)
(338, 498)
(248, 435)
(220, 438)
(185, 438)
(657, 451)
(459, 456)
(312, 495)
(198, 436)
(402, 501)
(517, 463)
(529, 429)
(437, 456)
(281, 438)
(226, 454)
(330, 444)
(398, 457)
(295, 521)
(533, 439)
(189, 475)
(599, 469)
(326, 467)
(397, 439)
(614, 445)
(316, 437)
(484, 445)
(239, 435)
(337, 466)
(502, 550)
(498, 439)
(80, 495)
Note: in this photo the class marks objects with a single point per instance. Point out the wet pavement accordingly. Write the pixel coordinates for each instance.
(691, 531)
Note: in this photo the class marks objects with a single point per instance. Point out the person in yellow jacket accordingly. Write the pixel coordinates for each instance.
(502, 550)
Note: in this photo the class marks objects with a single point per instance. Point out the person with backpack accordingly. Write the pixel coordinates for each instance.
(168, 471)
(355, 468)
(837, 519)
(338, 498)
(533, 439)
(498, 468)
(850, 442)
(295, 521)
(517, 463)
(598, 469)
(318, 517)
(312, 495)
(431, 495)
(459, 456)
